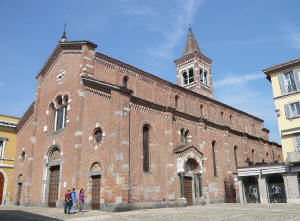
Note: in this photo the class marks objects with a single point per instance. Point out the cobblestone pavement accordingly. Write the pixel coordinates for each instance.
(214, 212)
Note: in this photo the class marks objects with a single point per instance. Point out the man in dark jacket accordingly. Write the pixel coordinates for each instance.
(68, 201)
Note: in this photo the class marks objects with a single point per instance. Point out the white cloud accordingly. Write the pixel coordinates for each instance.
(233, 79)
(169, 22)
(176, 28)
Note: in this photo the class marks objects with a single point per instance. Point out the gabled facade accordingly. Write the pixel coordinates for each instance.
(131, 139)
(8, 144)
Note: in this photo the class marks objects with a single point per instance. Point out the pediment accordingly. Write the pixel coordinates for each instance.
(187, 148)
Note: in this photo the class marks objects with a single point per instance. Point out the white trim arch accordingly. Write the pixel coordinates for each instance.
(182, 160)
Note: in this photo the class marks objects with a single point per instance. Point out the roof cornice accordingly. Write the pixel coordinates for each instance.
(61, 46)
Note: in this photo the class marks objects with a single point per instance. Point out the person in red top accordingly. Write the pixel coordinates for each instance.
(68, 201)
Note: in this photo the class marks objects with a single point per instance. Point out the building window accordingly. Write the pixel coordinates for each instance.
(204, 78)
(146, 129)
(235, 149)
(222, 116)
(98, 135)
(213, 145)
(23, 155)
(188, 78)
(292, 110)
(184, 135)
(201, 75)
(230, 118)
(289, 82)
(201, 110)
(59, 111)
(125, 82)
(267, 156)
(252, 155)
(176, 101)
(2, 148)
(297, 141)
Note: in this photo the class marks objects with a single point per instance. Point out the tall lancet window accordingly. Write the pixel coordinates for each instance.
(60, 113)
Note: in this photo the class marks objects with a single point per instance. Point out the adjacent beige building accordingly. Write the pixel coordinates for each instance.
(279, 183)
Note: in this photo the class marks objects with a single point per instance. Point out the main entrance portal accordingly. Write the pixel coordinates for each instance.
(53, 186)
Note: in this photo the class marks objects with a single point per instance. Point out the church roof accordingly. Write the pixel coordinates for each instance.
(191, 44)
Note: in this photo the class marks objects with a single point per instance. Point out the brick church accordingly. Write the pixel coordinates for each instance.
(131, 139)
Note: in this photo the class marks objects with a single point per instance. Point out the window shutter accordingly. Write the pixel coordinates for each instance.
(287, 111)
(282, 85)
(296, 77)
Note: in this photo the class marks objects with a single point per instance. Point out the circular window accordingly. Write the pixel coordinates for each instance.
(98, 135)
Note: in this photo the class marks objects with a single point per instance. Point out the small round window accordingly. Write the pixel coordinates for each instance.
(98, 135)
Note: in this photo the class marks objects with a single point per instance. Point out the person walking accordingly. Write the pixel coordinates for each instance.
(74, 200)
(81, 200)
(68, 200)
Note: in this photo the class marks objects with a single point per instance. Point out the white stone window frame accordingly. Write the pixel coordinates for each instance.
(289, 114)
(297, 142)
(284, 82)
(3, 140)
(188, 77)
(65, 106)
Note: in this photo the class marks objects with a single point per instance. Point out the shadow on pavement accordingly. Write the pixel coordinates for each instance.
(17, 215)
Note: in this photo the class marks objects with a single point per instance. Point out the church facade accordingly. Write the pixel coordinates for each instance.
(131, 139)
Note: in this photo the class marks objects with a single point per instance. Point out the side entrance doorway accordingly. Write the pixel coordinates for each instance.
(251, 189)
(96, 183)
(188, 193)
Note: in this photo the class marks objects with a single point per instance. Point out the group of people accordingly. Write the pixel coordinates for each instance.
(71, 200)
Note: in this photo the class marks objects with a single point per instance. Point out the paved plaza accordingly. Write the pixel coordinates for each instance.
(213, 212)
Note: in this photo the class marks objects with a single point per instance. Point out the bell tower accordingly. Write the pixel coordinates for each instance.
(194, 68)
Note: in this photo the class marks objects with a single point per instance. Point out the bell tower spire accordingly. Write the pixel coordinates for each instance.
(194, 68)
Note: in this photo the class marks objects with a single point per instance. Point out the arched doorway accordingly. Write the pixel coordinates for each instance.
(2, 180)
(276, 189)
(54, 168)
(96, 185)
(189, 180)
(251, 189)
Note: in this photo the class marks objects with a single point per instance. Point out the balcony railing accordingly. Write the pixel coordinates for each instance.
(293, 157)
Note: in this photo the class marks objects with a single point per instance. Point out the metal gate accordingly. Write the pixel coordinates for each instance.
(1, 187)
(276, 189)
(96, 181)
(19, 192)
(188, 194)
(53, 186)
(230, 195)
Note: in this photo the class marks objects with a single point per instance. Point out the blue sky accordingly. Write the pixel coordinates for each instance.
(242, 37)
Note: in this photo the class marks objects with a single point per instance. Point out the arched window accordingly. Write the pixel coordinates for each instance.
(23, 155)
(235, 156)
(222, 116)
(185, 78)
(267, 156)
(213, 145)
(205, 77)
(191, 76)
(252, 155)
(201, 110)
(59, 109)
(176, 101)
(201, 75)
(125, 81)
(98, 135)
(230, 118)
(146, 129)
(184, 135)
(188, 78)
